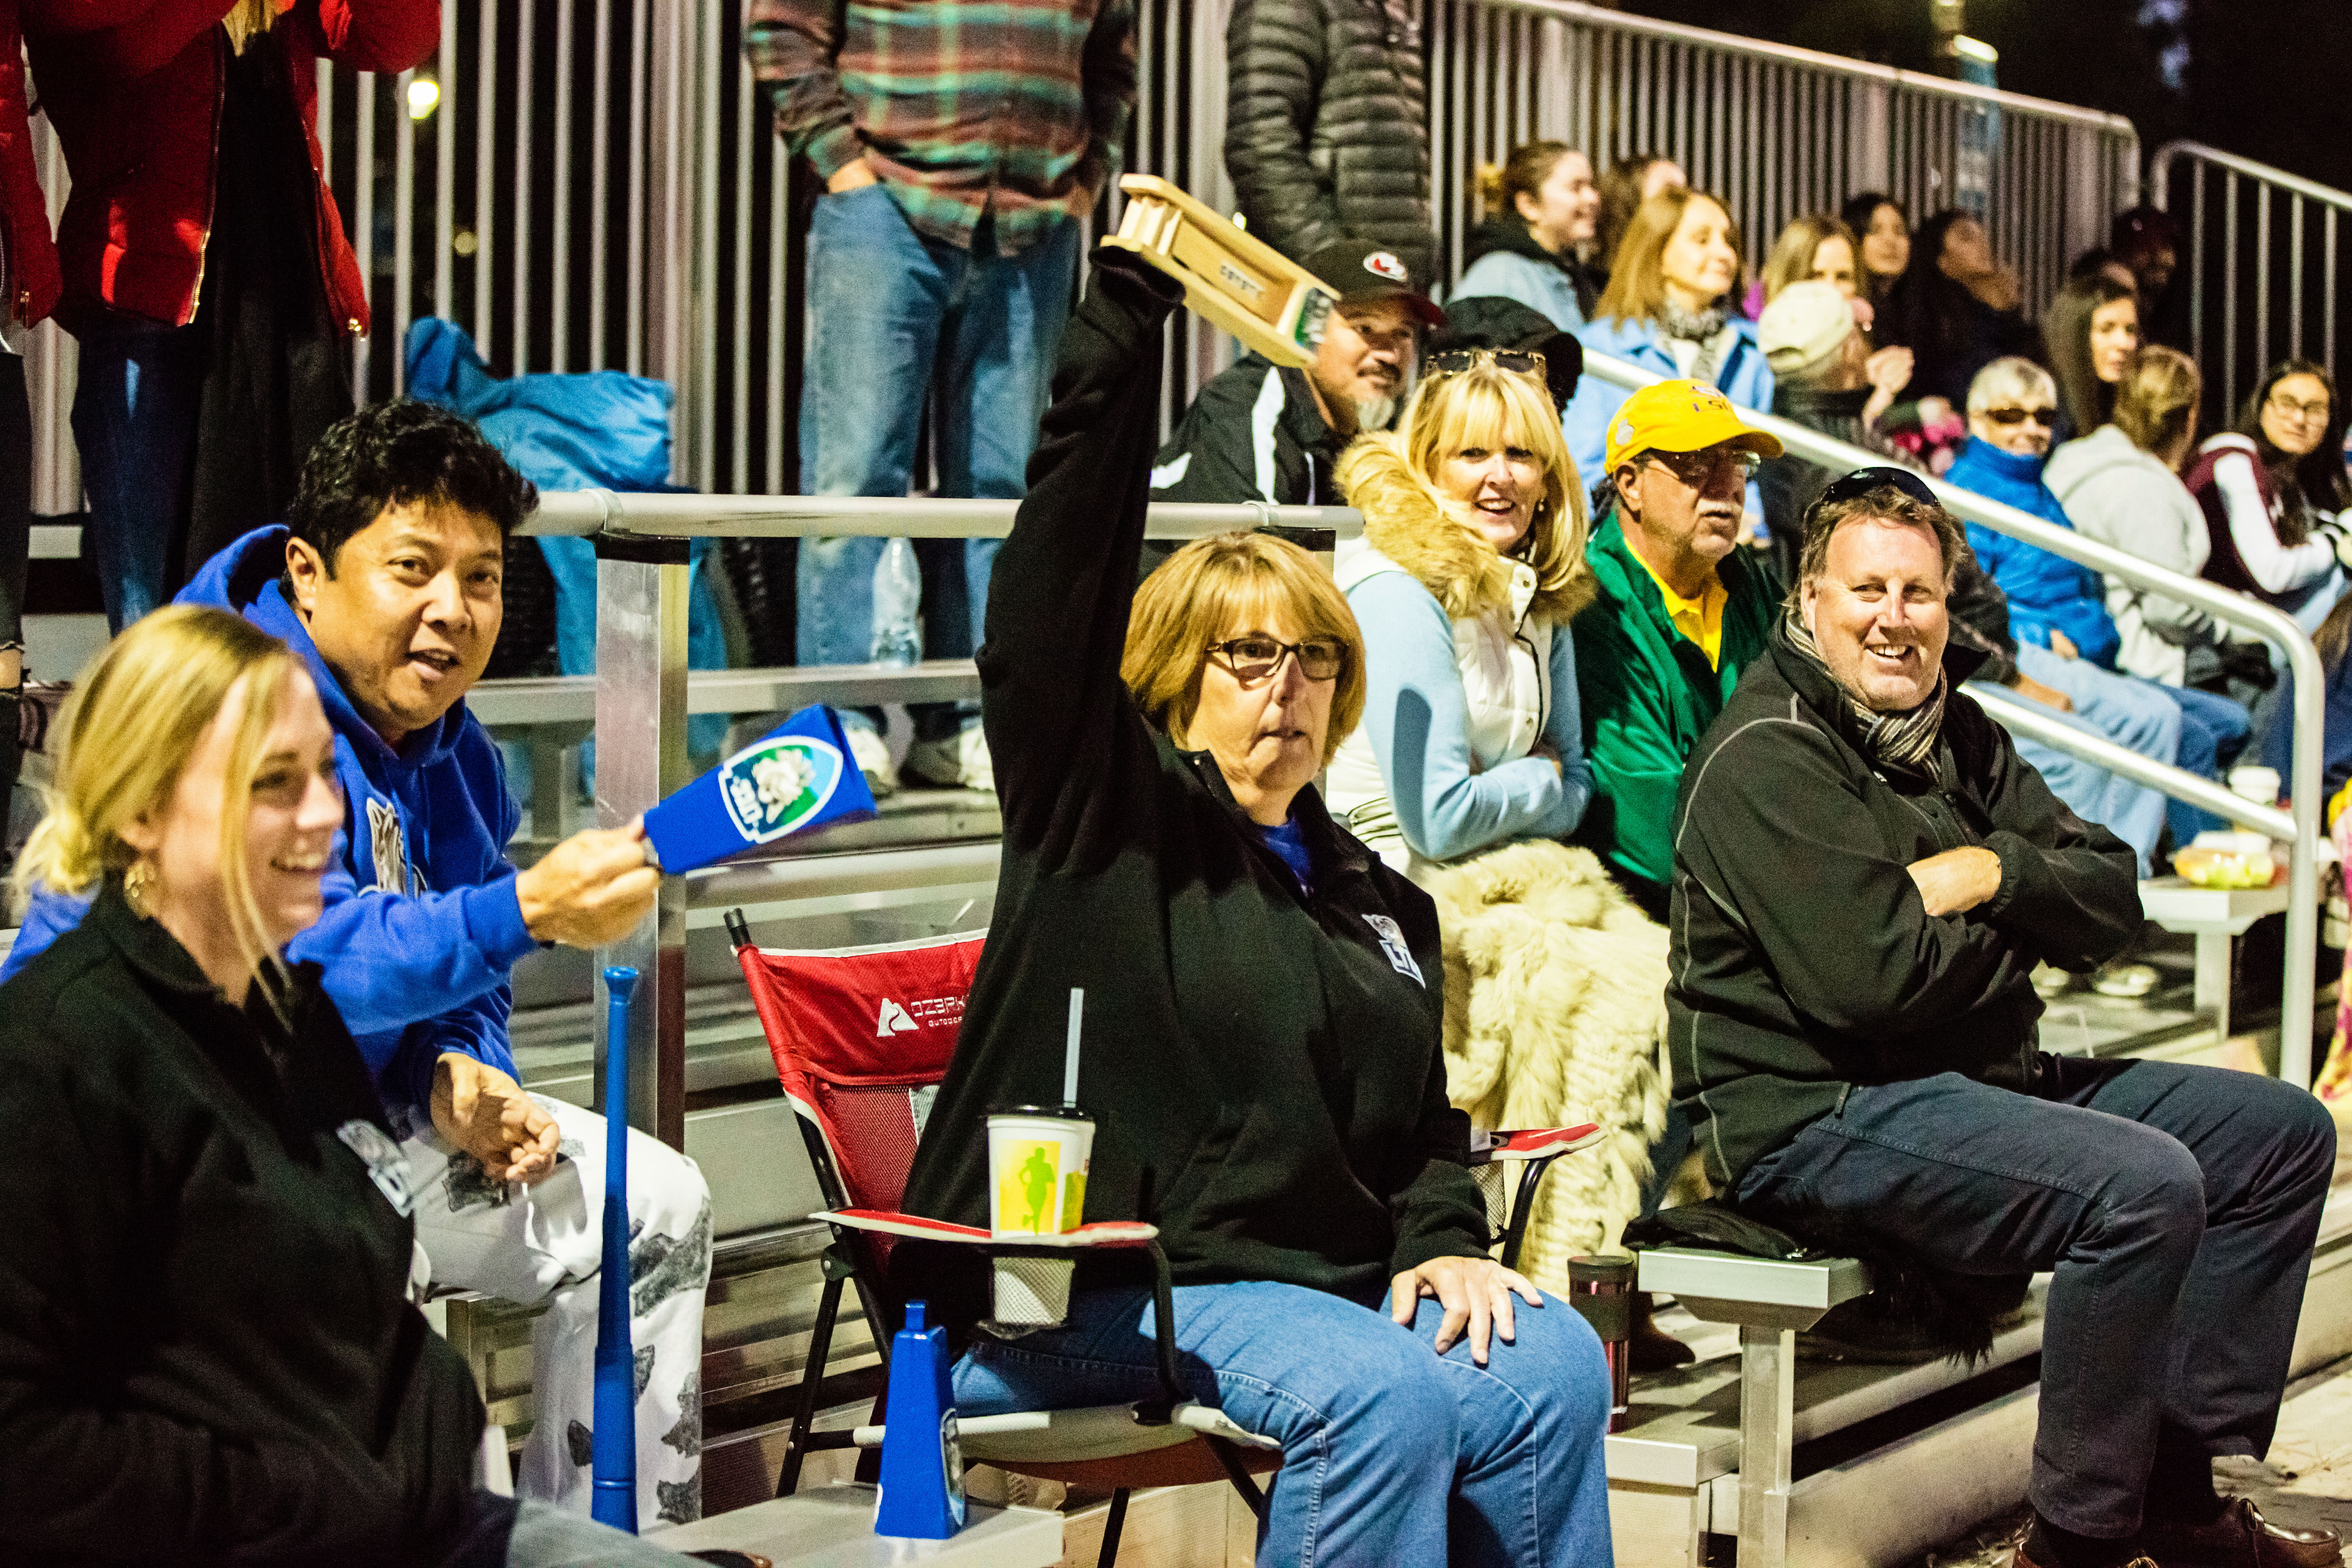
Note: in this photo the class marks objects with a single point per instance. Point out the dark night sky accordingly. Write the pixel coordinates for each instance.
(2268, 79)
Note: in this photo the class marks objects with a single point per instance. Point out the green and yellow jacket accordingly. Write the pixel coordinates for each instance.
(1648, 696)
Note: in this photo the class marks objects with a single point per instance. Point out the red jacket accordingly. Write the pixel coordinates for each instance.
(133, 88)
(24, 215)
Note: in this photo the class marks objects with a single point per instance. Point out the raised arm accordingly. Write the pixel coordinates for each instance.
(1064, 582)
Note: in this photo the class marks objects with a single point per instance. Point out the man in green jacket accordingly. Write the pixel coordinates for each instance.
(1682, 611)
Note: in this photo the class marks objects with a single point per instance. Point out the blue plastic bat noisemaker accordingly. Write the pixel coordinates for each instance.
(797, 776)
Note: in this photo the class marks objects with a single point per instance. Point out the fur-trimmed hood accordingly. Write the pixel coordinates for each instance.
(1405, 520)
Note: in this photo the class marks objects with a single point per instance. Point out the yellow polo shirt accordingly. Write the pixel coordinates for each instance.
(1699, 619)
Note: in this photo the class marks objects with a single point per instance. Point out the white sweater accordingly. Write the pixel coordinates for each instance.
(2119, 495)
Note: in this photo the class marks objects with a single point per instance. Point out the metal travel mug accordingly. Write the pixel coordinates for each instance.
(1602, 1288)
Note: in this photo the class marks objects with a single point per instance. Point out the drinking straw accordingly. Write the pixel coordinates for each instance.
(1070, 1058)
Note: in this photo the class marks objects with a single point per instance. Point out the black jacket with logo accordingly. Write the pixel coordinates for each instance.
(1802, 960)
(1262, 1066)
(207, 1351)
(1252, 433)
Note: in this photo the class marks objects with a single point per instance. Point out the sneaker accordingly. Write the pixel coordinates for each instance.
(2124, 981)
(961, 761)
(872, 755)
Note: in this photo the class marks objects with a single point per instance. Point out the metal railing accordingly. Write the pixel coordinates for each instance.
(2262, 283)
(2300, 827)
(597, 183)
(642, 699)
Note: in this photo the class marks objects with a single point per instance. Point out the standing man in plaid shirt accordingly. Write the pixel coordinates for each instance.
(961, 143)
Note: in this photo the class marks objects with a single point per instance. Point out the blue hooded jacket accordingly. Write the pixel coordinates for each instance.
(421, 925)
(2044, 589)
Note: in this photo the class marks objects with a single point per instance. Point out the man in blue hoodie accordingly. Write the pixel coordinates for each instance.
(387, 583)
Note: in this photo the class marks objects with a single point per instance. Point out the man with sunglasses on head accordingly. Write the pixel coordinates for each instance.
(1866, 875)
(1681, 611)
(1262, 432)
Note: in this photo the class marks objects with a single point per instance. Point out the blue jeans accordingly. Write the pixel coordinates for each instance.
(1391, 1454)
(2177, 1205)
(893, 315)
(2214, 731)
(2130, 712)
(135, 419)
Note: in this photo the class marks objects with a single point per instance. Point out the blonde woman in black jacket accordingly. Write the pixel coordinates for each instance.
(208, 1347)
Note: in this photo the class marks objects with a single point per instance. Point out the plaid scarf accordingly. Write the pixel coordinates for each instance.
(1903, 741)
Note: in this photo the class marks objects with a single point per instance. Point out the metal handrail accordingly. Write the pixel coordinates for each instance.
(684, 516)
(2161, 167)
(1814, 59)
(2235, 609)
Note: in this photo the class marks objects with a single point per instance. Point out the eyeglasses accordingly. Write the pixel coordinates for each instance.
(1695, 468)
(1453, 361)
(1253, 660)
(2045, 417)
(1861, 481)
(2309, 413)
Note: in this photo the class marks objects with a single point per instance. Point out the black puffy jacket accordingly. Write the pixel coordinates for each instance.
(1327, 134)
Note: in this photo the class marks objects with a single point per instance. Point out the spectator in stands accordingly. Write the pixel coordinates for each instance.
(209, 1349)
(2057, 610)
(1825, 377)
(1542, 212)
(1258, 431)
(1667, 309)
(1866, 875)
(1955, 306)
(387, 585)
(2147, 240)
(1815, 248)
(1326, 133)
(1624, 187)
(29, 286)
(1680, 610)
(1884, 232)
(1165, 849)
(206, 274)
(2272, 490)
(2088, 335)
(959, 154)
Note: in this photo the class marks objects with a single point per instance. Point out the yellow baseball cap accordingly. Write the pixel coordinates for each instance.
(1680, 416)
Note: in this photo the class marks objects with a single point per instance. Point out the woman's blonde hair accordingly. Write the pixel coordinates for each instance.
(1637, 275)
(1492, 408)
(2156, 402)
(136, 716)
(1212, 589)
(1791, 260)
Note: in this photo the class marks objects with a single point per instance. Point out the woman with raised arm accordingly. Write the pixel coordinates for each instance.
(1261, 1056)
(210, 1350)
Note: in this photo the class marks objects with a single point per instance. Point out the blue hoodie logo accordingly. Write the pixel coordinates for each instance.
(778, 785)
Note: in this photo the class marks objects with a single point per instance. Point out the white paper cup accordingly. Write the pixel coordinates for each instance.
(1037, 1161)
(2258, 785)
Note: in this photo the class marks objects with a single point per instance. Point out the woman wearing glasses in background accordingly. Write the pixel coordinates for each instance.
(2272, 489)
(1262, 1030)
(1468, 773)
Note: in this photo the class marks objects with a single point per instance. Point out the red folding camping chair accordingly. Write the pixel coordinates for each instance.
(861, 1038)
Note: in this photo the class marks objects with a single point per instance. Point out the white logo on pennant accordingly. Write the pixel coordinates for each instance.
(779, 785)
(1392, 944)
(895, 1020)
(1382, 264)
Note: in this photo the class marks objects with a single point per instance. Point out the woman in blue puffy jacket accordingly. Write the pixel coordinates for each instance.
(1668, 309)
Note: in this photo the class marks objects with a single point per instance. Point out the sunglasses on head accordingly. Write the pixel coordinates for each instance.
(2045, 417)
(1453, 361)
(1861, 481)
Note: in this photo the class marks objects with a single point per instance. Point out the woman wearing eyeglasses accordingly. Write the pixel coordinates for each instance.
(2272, 490)
(1468, 774)
(1261, 1049)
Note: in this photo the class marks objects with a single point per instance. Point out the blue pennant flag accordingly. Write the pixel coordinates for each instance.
(797, 776)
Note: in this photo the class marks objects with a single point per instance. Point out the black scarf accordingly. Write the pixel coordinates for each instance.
(1903, 741)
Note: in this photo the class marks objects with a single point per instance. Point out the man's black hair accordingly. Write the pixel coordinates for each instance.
(395, 454)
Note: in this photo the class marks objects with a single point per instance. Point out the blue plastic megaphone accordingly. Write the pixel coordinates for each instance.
(922, 1463)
